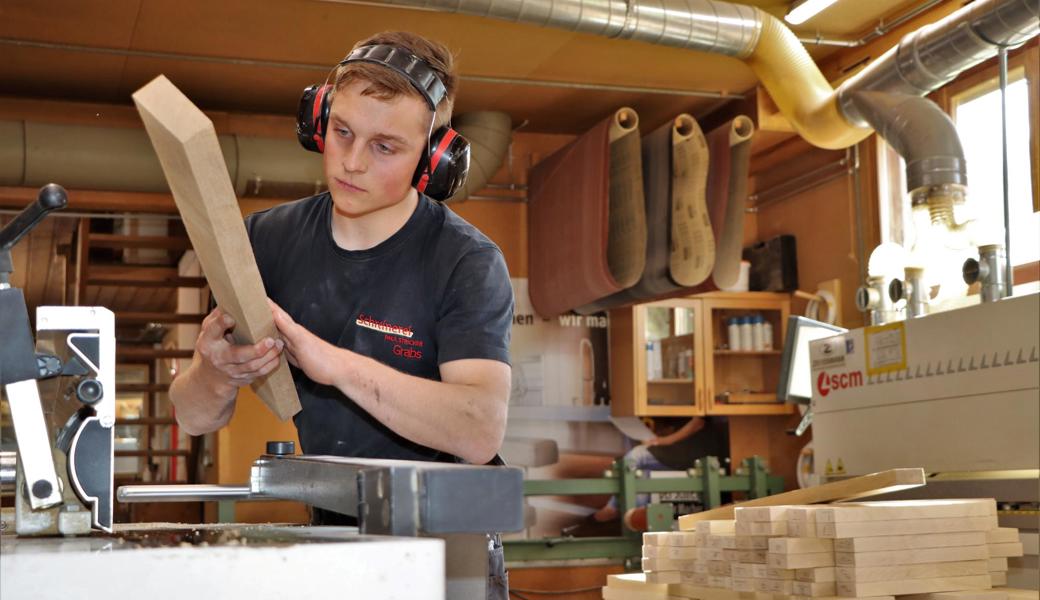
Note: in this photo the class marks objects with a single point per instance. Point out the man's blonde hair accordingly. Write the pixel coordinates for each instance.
(387, 84)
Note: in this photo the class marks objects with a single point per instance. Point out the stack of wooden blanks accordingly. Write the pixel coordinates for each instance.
(779, 557)
(668, 554)
(633, 586)
(1003, 543)
(712, 569)
(909, 547)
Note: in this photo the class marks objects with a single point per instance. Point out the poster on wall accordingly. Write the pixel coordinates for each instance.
(559, 362)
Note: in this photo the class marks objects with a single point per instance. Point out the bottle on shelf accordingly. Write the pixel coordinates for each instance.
(734, 334)
(757, 343)
(746, 341)
(767, 336)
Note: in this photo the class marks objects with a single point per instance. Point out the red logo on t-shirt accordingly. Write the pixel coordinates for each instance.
(401, 336)
(383, 326)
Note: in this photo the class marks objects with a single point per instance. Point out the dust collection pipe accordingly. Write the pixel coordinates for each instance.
(106, 158)
(922, 62)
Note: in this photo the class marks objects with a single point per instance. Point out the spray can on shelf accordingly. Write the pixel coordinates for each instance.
(734, 334)
(746, 339)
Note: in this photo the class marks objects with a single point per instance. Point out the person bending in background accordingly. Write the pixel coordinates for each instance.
(677, 443)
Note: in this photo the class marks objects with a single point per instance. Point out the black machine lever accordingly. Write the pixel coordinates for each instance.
(51, 197)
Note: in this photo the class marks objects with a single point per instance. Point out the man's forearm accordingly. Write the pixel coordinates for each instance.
(464, 420)
(201, 406)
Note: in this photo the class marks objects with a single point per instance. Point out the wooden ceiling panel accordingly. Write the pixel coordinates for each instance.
(107, 23)
(49, 73)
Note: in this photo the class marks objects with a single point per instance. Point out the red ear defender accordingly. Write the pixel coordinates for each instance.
(443, 172)
(312, 117)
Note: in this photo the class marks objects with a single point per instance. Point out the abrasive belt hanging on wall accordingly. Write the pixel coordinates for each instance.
(586, 218)
(679, 240)
(730, 148)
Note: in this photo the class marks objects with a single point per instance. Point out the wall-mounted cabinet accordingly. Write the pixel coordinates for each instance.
(674, 357)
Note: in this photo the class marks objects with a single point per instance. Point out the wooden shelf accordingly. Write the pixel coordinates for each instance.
(748, 353)
(672, 381)
(778, 408)
(751, 398)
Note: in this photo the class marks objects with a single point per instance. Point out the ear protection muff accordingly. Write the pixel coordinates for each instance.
(442, 167)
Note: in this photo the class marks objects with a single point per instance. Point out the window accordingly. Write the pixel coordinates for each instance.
(977, 114)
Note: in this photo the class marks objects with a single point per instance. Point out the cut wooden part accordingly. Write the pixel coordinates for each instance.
(815, 590)
(752, 556)
(848, 489)
(997, 564)
(963, 595)
(1005, 550)
(610, 593)
(743, 584)
(761, 513)
(800, 561)
(904, 527)
(910, 542)
(787, 545)
(636, 582)
(722, 540)
(188, 150)
(802, 529)
(998, 578)
(752, 542)
(819, 574)
(913, 586)
(745, 570)
(767, 572)
(762, 528)
(709, 526)
(719, 568)
(921, 571)
(669, 538)
(775, 586)
(910, 557)
(1002, 535)
(906, 509)
(1020, 594)
(665, 577)
(667, 564)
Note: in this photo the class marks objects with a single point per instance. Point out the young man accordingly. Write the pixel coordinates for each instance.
(393, 311)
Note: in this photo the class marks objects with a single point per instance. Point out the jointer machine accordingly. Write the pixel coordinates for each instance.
(425, 527)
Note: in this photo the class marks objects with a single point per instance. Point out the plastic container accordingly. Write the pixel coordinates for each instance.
(746, 339)
(757, 343)
(767, 336)
(734, 334)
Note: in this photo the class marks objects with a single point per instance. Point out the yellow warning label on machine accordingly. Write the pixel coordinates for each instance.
(885, 348)
(841, 468)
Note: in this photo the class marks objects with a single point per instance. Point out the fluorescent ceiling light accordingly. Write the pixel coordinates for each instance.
(803, 10)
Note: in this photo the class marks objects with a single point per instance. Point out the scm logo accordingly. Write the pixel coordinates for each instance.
(826, 383)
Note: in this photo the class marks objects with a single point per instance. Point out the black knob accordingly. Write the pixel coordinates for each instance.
(281, 448)
(41, 489)
(52, 197)
(89, 391)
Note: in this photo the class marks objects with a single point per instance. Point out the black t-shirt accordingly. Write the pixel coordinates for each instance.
(436, 291)
(711, 440)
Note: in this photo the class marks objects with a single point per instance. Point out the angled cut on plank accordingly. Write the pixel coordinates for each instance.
(848, 489)
(187, 146)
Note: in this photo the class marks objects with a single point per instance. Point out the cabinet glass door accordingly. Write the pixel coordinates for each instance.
(669, 353)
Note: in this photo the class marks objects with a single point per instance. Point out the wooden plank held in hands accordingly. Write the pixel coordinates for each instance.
(847, 489)
(187, 146)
